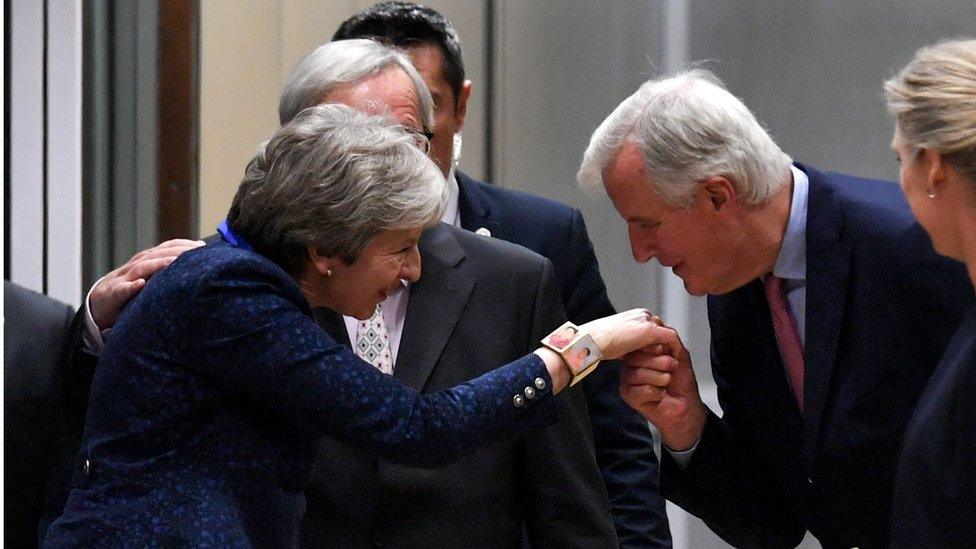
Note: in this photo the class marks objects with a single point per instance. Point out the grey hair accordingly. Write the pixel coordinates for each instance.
(689, 128)
(344, 62)
(933, 100)
(334, 178)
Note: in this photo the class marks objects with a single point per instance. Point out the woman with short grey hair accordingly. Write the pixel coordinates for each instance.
(209, 399)
(933, 101)
(368, 179)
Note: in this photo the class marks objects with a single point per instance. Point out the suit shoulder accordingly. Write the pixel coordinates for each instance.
(216, 264)
(36, 330)
(867, 192)
(221, 258)
(874, 209)
(886, 238)
(526, 206)
(23, 304)
(490, 247)
(863, 192)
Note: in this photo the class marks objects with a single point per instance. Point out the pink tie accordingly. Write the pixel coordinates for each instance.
(790, 345)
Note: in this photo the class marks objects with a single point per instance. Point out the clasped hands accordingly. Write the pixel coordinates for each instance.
(656, 376)
(658, 381)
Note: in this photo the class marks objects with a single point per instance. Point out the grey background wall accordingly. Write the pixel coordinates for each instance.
(812, 70)
(42, 151)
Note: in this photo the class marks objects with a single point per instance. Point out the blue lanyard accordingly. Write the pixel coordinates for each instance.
(232, 238)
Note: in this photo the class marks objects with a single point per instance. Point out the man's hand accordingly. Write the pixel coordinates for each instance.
(115, 289)
(659, 382)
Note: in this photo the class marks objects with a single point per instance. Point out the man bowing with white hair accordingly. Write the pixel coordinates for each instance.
(827, 306)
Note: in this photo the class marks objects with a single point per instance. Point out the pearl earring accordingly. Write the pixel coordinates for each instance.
(328, 272)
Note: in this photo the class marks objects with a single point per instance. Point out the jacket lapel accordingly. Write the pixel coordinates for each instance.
(474, 205)
(742, 334)
(435, 305)
(828, 265)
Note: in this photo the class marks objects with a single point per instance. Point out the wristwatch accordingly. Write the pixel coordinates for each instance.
(580, 353)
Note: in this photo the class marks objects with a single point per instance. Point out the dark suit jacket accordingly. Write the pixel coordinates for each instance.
(881, 307)
(479, 302)
(624, 445)
(935, 490)
(207, 400)
(43, 413)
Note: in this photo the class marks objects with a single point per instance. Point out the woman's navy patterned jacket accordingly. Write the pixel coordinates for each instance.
(207, 404)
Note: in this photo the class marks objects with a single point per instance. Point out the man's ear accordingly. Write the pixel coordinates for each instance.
(719, 192)
(461, 105)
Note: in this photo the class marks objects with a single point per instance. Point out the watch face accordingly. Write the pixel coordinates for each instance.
(562, 337)
(582, 354)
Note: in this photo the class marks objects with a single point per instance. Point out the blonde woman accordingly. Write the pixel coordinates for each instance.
(933, 101)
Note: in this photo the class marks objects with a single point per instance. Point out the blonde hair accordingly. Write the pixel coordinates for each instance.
(933, 100)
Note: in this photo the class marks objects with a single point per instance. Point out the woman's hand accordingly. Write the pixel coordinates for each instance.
(616, 335)
(625, 332)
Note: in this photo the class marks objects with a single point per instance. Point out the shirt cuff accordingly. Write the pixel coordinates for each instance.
(92, 338)
(684, 457)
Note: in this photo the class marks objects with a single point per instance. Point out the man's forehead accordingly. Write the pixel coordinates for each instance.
(389, 91)
(626, 164)
(628, 183)
(428, 59)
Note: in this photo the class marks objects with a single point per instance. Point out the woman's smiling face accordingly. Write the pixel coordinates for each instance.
(354, 289)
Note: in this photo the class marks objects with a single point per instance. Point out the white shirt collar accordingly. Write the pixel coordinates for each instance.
(792, 260)
(452, 214)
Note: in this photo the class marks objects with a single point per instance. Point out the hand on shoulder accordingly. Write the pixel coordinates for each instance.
(114, 290)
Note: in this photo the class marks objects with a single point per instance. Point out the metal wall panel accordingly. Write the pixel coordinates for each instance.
(63, 134)
(44, 225)
(26, 162)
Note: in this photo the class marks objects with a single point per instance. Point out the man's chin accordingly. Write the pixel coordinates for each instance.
(698, 288)
(365, 315)
(692, 288)
(695, 291)
(714, 289)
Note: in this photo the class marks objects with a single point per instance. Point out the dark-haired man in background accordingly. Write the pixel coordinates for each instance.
(623, 441)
